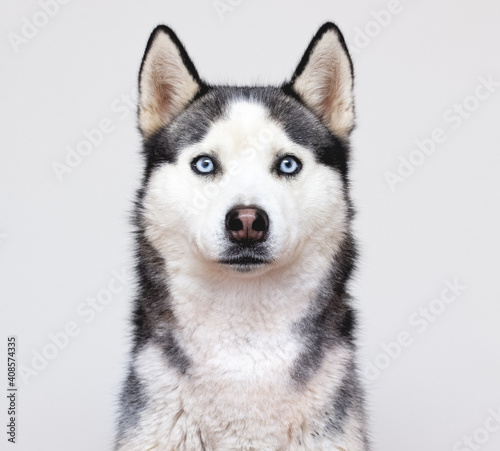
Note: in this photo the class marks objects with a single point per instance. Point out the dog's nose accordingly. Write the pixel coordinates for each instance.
(247, 224)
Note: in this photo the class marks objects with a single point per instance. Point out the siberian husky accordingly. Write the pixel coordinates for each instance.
(243, 330)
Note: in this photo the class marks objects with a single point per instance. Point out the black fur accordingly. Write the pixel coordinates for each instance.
(348, 397)
(132, 400)
(331, 320)
(153, 318)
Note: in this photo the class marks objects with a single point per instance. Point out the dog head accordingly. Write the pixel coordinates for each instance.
(245, 179)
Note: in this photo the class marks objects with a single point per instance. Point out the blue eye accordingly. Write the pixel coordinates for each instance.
(203, 165)
(289, 166)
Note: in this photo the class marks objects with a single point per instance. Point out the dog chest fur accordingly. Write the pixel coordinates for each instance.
(238, 392)
(224, 408)
(240, 397)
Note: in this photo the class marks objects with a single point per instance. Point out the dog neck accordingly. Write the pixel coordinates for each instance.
(267, 300)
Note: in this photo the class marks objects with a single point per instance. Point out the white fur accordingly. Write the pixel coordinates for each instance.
(307, 214)
(225, 409)
(236, 328)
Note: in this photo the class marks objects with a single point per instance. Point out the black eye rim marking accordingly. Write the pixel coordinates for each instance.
(215, 162)
(279, 159)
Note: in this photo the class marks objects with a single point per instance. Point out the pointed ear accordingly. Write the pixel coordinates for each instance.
(323, 80)
(168, 81)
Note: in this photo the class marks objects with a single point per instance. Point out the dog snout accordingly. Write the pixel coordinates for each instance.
(247, 224)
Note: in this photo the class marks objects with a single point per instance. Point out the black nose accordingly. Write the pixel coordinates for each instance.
(247, 224)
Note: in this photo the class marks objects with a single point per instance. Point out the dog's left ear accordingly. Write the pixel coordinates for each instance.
(323, 80)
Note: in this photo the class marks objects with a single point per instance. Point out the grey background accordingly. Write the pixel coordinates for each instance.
(60, 241)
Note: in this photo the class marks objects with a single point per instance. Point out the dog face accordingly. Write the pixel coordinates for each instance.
(245, 179)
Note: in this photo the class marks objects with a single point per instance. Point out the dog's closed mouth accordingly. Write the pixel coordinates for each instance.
(244, 260)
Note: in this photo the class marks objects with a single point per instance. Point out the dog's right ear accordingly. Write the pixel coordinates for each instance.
(168, 81)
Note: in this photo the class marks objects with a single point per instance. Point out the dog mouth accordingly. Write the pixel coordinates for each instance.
(244, 258)
(244, 262)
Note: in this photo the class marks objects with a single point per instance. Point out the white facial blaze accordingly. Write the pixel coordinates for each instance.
(185, 211)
